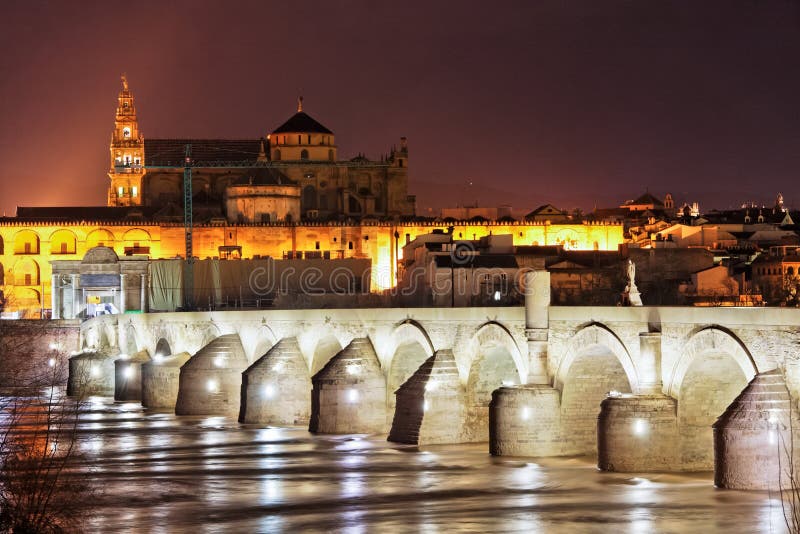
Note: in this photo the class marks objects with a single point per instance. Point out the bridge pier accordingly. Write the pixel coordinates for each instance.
(639, 433)
(431, 406)
(211, 381)
(753, 438)
(276, 389)
(91, 373)
(161, 380)
(526, 420)
(349, 393)
(128, 377)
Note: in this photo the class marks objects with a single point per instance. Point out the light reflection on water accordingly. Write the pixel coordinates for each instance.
(162, 473)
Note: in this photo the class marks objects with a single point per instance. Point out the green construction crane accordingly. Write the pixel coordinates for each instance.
(188, 279)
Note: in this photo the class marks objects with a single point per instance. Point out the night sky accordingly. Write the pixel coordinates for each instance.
(578, 103)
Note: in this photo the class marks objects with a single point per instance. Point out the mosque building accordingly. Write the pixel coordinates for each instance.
(287, 195)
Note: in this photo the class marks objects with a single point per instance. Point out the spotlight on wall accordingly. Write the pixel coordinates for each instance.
(640, 427)
(352, 369)
(614, 393)
(508, 383)
(128, 372)
(497, 296)
(431, 385)
(352, 395)
(94, 371)
(158, 357)
(219, 361)
(526, 413)
(51, 362)
(269, 391)
(211, 385)
(53, 346)
(425, 406)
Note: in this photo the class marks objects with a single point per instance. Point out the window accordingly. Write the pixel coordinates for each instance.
(330, 154)
(350, 245)
(299, 139)
(120, 191)
(317, 245)
(126, 132)
(400, 162)
(304, 154)
(134, 191)
(309, 139)
(276, 155)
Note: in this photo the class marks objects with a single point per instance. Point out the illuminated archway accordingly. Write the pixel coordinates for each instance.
(326, 348)
(714, 368)
(594, 363)
(26, 272)
(26, 242)
(63, 242)
(100, 238)
(136, 241)
(589, 335)
(163, 348)
(411, 347)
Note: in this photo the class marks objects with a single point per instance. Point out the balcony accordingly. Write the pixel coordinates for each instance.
(133, 168)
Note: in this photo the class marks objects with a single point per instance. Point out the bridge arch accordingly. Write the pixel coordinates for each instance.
(263, 339)
(713, 368)
(593, 335)
(495, 360)
(322, 350)
(705, 339)
(410, 347)
(594, 363)
(163, 348)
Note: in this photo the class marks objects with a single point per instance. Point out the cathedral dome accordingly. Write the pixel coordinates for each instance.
(302, 138)
(302, 122)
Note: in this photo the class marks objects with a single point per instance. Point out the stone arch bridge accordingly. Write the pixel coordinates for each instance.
(530, 379)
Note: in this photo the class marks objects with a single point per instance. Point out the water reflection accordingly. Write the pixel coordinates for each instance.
(162, 473)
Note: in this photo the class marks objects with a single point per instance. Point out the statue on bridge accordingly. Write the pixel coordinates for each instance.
(631, 295)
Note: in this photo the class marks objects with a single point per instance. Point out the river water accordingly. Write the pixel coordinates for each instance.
(162, 473)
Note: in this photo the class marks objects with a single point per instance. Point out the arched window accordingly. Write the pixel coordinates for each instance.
(26, 242)
(304, 154)
(276, 155)
(26, 273)
(99, 238)
(1, 245)
(62, 242)
(309, 198)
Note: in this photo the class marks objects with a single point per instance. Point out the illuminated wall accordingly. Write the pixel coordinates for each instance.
(29, 248)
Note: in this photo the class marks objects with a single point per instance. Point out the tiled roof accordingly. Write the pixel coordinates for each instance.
(83, 213)
(171, 152)
(301, 122)
(263, 176)
(647, 198)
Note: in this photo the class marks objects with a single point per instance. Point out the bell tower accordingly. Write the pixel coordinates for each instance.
(127, 153)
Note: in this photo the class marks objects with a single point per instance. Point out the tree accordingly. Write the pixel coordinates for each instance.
(38, 435)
